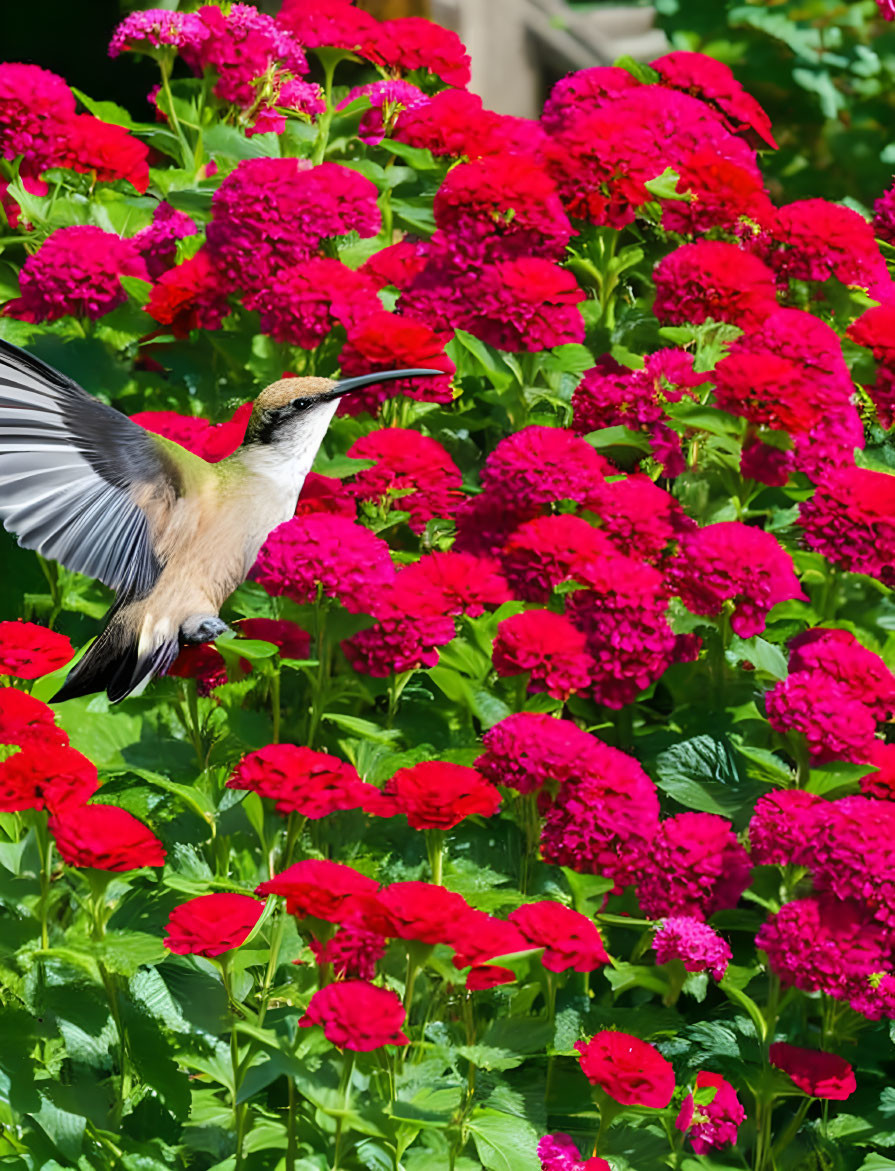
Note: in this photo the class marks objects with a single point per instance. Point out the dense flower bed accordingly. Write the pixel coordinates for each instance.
(540, 811)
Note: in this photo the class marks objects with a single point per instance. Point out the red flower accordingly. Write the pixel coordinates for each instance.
(352, 951)
(839, 654)
(549, 550)
(412, 42)
(106, 151)
(357, 1015)
(713, 280)
(484, 976)
(875, 328)
(548, 647)
(104, 837)
(300, 780)
(558, 1152)
(396, 265)
(330, 23)
(411, 473)
(289, 638)
(212, 441)
(324, 890)
(439, 795)
(528, 751)
(325, 494)
(772, 391)
(343, 559)
(46, 776)
(311, 298)
(712, 1123)
(881, 782)
(732, 561)
(485, 522)
(782, 827)
(629, 1070)
(851, 520)
(193, 295)
(539, 465)
(695, 867)
(414, 910)
(25, 720)
(28, 651)
(452, 583)
(569, 939)
(212, 924)
(820, 1074)
(850, 853)
(384, 341)
(35, 108)
(642, 519)
(75, 271)
(205, 664)
(157, 243)
(478, 937)
(711, 80)
(583, 92)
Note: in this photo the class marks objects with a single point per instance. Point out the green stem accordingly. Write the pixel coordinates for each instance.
(345, 1087)
(435, 850)
(321, 684)
(239, 1110)
(792, 1130)
(409, 981)
(275, 703)
(291, 1145)
(326, 118)
(187, 160)
(45, 852)
(275, 944)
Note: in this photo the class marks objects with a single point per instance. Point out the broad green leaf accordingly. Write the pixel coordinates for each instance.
(503, 1143)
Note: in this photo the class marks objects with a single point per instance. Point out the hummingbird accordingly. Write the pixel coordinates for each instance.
(170, 533)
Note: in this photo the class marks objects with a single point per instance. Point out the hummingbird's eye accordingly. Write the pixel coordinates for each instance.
(301, 404)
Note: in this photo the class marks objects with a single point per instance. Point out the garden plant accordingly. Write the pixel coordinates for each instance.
(537, 810)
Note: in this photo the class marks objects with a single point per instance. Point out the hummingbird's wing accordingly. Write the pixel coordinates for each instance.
(79, 482)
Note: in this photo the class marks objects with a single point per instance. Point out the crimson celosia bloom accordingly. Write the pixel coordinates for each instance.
(212, 924)
(193, 295)
(35, 107)
(357, 1015)
(454, 122)
(272, 213)
(548, 550)
(605, 816)
(322, 889)
(75, 271)
(438, 795)
(331, 23)
(629, 1070)
(156, 28)
(384, 341)
(694, 943)
(352, 951)
(850, 853)
(501, 207)
(527, 303)
(28, 651)
(548, 647)
(884, 213)
(157, 243)
(484, 522)
(570, 940)
(782, 826)
(289, 638)
(311, 298)
(300, 780)
(45, 775)
(105, 837)
(707, 78)
(732, 561)
(829, 945)
(695, 867)
(712, 279)
(642, 519)
(412, 42)
(25, 720)
(839, 654)
(813, 240)
(558, 1152)
(411, 473)
(395, 645)
(241, 44)
(835, 725)
(323, 551)
(851, 520)
(452, 583)
(584, 91)
(325, 494)
(721, 193)
(623, 615)
(815, 1072)
(715, 1123)
(414, 910)
(539, 465)
(530, 751)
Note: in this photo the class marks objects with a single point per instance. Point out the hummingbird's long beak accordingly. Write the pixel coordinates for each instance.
(346, 385)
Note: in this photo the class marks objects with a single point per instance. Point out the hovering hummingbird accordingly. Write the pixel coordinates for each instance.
(173, 535)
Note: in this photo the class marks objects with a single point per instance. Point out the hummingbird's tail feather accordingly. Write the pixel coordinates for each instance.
(114, 664)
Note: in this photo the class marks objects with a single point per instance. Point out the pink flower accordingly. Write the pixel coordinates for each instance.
(714, 1122)
(310, 299)
(549, 550)
(35, 109)
(732, 561)
(640, 518)
(850, 853)
(352, 951)
(539, 465)
(529, 751)
(389, 98)
(694, 943)
(411, 473)
(884, 207)
(583, 92)
(840, 655)
(343, 559)
(881, 782)
(558, 1152)
(713, 280)
(707, 78)
(851, 520)
(548, 647)
(695, 867)
(782, 827)
(271, 213)
(155, 28)
(329, 23)
(357, 1015)
(835, 724)
(157, 243)
(408, 43)
(396, 265)
(605, 815)
(75, 271)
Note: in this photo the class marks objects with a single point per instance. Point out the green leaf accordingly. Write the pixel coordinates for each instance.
(233, 144)
(107, 111)
(503, 1142)
(364, 728)
(702, 774)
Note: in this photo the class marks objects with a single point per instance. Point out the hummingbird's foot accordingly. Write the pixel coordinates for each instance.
(202, 628)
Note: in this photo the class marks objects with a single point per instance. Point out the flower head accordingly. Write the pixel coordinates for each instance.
(45, 775)
(288, 637)
(300, 780)
(570, 940)
(438, 795)
(385, 341)
(548, 647)
(539, 465)
(157, 243)
(333, 24)
(713, 280)
(36, 107)
(414, 910)
(835, 724)
(839, 654)
(24, 720)
(192, 295)
(352, 951)
(325, 890)
(782, 827)
(389, 99)
(411, 472)
(154, 28)
(712, 1123)
(851, 520)
(820, 1074)
(850, 853)
(711, 80)
(558, 1152)
(104, 837)
(212, 924)
(408, 43)
(28, 651)
(583, 92)
(357, 1015)
(694, 943)
(695, 867)
(629, 1070)
(549, 550)
(529, 751)
(310, 299)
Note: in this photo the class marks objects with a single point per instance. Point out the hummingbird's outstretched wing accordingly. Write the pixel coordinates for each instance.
(79, 482)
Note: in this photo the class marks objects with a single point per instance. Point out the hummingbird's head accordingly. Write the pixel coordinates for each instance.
(293, 406)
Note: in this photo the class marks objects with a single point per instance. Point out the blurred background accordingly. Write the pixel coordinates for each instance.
(823, 69)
